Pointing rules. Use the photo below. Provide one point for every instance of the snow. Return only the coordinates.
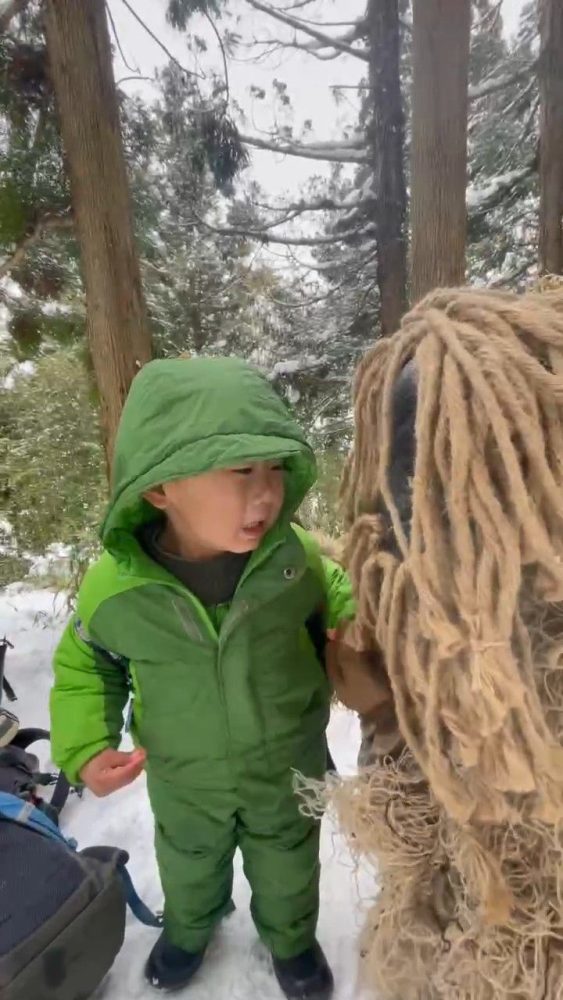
(22, 369)
(295, 365)
(366, 193)
(496, 83)
(237, 966)
(478, 197)
(287, 367)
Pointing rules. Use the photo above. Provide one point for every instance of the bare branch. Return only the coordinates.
(326, 41)
(333, 152)
(320, 205)
(278, 43)
(496, 83)
(347, 38)
(322, 267)
(359, 24)
(9, 10)
(223, 54)
(297, 5)
(299, 208)
(132, 69)
(489, 18)
(47, 223)
(136, 76)
(161, 45)
(265, 237)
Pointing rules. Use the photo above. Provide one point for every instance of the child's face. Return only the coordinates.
(226, 510)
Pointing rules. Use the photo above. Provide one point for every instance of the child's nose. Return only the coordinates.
(265, 488)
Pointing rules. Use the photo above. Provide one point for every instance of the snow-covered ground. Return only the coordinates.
(237, 967)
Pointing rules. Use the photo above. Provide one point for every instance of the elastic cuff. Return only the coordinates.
(285, 949)
(192, 939)
(72, 768)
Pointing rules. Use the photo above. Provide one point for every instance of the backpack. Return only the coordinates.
(62, 912)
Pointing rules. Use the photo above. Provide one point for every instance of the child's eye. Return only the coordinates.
(248, 470)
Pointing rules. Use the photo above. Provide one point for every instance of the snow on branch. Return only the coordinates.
(359, 24)
(347, 38)
(45, 224)
(482, 199)
(275, 44)
(350, 151)
(323, 40)
(296, 366)
(319, 205)
(296, 209)
(264, 236)
(501, 82)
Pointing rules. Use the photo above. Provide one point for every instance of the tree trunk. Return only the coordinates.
(551, 136)
(386, 151)
(82, 74)
(441, 35)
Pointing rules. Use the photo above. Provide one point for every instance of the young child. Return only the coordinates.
(199, 609)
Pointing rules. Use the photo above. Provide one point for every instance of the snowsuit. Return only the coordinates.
(227, 702)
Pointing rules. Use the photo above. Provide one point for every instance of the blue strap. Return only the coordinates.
(139, 909)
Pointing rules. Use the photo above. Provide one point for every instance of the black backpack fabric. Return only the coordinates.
(62, 915)
(62, 911)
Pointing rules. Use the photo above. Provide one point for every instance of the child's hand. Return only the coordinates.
(112, 769)
(357, 675)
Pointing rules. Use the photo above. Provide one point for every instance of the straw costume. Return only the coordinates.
(455, 549)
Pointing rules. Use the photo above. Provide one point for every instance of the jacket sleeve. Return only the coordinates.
(87, 703)
(340, 604)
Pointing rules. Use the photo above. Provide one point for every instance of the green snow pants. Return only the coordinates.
(197, 833)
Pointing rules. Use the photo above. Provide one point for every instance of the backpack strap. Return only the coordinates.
(16, 810)
(23, 740)
(27, 813)
(138, 908)
(5, 687)
(8, 690)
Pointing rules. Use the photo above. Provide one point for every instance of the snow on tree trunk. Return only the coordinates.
(385, 143)
(81, 69)
(551, 136)
(441, 33)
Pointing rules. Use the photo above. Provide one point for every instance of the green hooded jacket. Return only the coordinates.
(225, 711)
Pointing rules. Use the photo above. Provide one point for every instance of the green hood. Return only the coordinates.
(184, 416)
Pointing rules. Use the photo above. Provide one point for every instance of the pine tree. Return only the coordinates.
(80, 61)
(551, 136)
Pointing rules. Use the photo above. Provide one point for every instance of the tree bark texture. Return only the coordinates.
(385, 135)
(441, 37)
(551, 136)
(82, 74)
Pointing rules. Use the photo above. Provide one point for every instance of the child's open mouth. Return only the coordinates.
(255, 529)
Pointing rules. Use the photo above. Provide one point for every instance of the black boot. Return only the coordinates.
(305, 977)
(170, 968)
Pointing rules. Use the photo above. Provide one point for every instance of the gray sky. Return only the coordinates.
(309, 81)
